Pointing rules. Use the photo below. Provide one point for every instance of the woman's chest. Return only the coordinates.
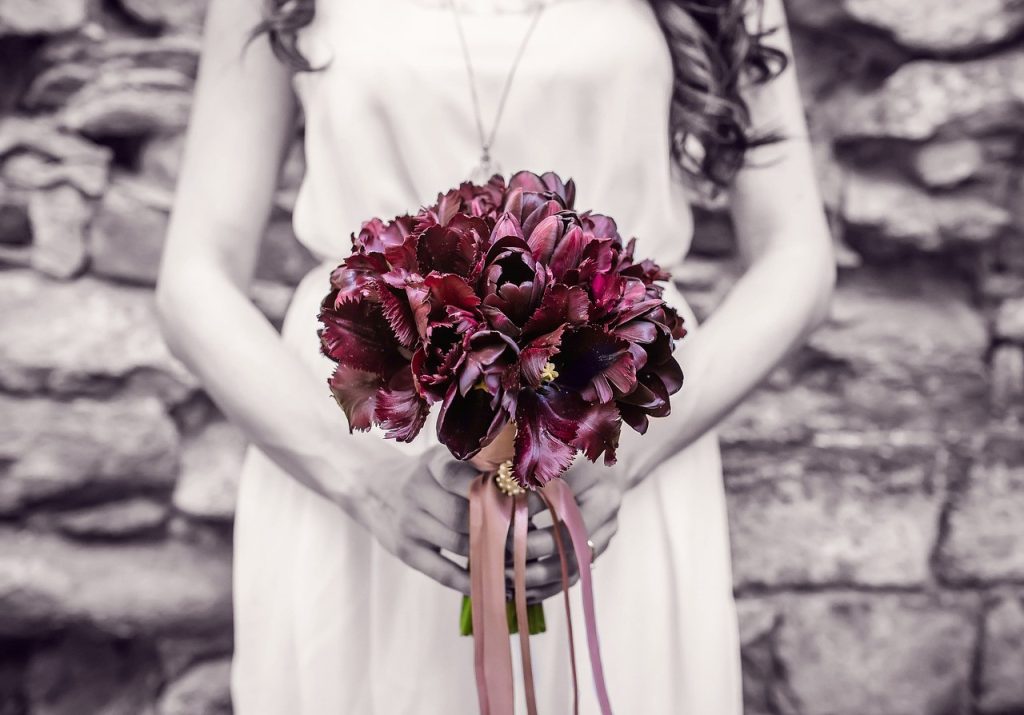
(411, 54)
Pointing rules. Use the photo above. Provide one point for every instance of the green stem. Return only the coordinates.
(534, 617)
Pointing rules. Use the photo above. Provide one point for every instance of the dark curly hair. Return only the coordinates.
(712, 49)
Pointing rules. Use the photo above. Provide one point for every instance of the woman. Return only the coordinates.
(347, 567)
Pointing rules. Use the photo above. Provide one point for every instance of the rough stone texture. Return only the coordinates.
(125, 590)
(850, 654)
(211, 463)
(888, 215)
(202, 689)
(108, 336)
(38, 155)
(114, 520)
(818, 527)
(1007, 376)
(942, 25)
(41, 17)
(985, 538)
(942, 165)
(875, 481)
(186, 14)
(1002, 659)
(80, 675)
(127, 234)
(59, 216)
(130, 102)
(83, 447)
(1010, 320)
(925, 97)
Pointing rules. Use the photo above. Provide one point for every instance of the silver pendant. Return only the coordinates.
(485, 169)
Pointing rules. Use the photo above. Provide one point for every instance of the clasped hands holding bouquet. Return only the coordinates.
(423, 507)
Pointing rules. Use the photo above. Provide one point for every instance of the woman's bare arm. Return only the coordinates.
(241, 126)
(783, 294)
(242, 122)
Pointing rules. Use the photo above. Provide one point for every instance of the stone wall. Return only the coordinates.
(876, 482)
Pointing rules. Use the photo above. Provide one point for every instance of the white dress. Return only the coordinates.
(328, 622)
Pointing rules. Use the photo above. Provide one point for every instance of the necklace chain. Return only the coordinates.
(487, 166)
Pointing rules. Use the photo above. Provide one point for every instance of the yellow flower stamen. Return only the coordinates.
(548, 372)
(506, 482)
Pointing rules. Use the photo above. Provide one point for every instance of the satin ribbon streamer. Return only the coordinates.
(491, 515)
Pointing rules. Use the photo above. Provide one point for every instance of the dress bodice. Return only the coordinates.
(390, 122)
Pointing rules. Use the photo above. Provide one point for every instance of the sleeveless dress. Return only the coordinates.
(327, 621)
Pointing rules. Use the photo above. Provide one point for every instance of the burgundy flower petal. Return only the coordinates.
(487, 354)
(671, 375)
(356, 334)
(647, 270)
(543, 238)
(467, 422)
(402, 257)
(595, 363)
(397, 311)
(560, 304)
(447, 249)
(637, 331)
(506, 225)
(513, 202)
(449, 289)
(497, 319)
(354, 278)
(634, 416)
(400, 411)
(569, 252)
(549, 184)
(597, 431)
(639, 355)
(433, 363)
(653, 393)
(545, 427)
(527, 181)
(355, 391)
(514, 283)
(538, 215)
(537, 352)
(600, 225)
(375, 236)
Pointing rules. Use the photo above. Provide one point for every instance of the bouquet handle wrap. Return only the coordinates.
(491, 514)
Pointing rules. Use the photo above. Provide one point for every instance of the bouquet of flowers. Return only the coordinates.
(528, 322)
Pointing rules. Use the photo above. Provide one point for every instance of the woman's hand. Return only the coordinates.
(417, 505)
(599, 490)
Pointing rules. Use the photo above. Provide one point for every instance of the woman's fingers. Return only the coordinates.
(427, 528)
(450, 510)
(603, 537)
(598, 506)
(451, 474)
(535, 504)
(433, 564)
(536, 595)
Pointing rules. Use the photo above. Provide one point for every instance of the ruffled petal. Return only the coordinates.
(355, 391)
(466, 423)
(597, 431)
(544, 432)
(537, 353)
(595, 363)
(399, 410)
(357, 334)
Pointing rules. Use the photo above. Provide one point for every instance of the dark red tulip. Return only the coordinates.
(503, 303)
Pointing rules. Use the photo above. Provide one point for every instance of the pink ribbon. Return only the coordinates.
(491, 513)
